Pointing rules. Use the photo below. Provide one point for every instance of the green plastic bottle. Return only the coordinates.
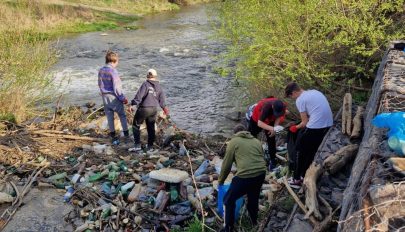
(123, 166)
(174, 194)
(112, 175)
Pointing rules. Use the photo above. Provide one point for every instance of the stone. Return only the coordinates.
(169, 175)
(336, 196)
(281, 215)
(299, 224)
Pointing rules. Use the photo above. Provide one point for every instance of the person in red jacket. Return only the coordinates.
(266, 114)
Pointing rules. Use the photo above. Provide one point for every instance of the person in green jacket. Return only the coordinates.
(247, 153)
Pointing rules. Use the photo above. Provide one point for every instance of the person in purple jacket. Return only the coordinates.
(148, 99)
(113, 98)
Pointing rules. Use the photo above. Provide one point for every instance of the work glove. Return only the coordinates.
(125, 101)
(133, 109)
(166, 111)
(293, 129)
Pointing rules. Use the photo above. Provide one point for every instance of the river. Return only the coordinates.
(179, 45)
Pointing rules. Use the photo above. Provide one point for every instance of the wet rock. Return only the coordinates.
(90, 104)
(41, 211)
(281, 215)
(299, 224)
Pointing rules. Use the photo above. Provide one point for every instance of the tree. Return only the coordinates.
(316, 42)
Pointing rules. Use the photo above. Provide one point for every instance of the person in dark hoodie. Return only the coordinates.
(149, 97)
(247, 153)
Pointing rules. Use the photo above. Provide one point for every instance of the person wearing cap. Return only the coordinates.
(266, 114)
(247, 153)
(147, 100)
(114, 99)
(316, 119)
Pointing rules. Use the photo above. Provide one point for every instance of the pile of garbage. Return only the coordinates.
(111, 188)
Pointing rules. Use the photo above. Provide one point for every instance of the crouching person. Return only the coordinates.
(247, 153)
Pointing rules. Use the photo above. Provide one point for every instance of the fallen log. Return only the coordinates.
(337, 160)
(332, 164)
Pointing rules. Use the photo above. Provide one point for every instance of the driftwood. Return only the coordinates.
(357, 125)
(328, 219)
(72, 137)
(298, 201)
(347, 114)
(332, 164)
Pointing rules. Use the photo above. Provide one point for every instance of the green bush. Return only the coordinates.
(324, 43)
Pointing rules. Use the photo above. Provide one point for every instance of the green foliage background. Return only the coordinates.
(326, 43)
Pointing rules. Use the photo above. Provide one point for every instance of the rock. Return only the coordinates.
(90, 104)
(337, 196)
(299, 224)
(169, 175)
(5, 198)
(281, 215)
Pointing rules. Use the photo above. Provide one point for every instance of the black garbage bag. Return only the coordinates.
(292, 153)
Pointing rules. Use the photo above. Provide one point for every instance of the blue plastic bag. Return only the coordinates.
(396, 134)
(222, 190)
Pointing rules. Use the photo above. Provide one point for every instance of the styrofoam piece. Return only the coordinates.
(169, 175)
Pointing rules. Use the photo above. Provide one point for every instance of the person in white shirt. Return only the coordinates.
(316, 119)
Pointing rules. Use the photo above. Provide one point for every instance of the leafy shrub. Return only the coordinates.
(325, 43)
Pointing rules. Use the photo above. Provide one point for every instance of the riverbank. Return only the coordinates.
(26, 34)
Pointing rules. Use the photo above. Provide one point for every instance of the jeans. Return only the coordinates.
(113, 104)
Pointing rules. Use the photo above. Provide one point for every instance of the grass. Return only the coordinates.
(27, 30)
(140, 7)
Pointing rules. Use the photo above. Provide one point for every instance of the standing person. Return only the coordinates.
(247, 153)
(149, 97)
(267, 114)
(316, 119)
(114, 99)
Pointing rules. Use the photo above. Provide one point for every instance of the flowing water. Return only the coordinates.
(178, 45)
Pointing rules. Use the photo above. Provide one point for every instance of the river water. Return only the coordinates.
(178, 45)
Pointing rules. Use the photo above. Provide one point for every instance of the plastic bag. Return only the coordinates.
(396, 134)
(222, 189)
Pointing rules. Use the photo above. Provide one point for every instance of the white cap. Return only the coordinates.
(152, 72)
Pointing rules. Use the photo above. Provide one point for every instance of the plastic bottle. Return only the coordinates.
(98, 176)
(202, 168)
(75, 178)
(123, 166)
(112, 175)
(68, 194)
(397, 143)
(126, 187)
(174, 194)
(57, 176)
(203, 178)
